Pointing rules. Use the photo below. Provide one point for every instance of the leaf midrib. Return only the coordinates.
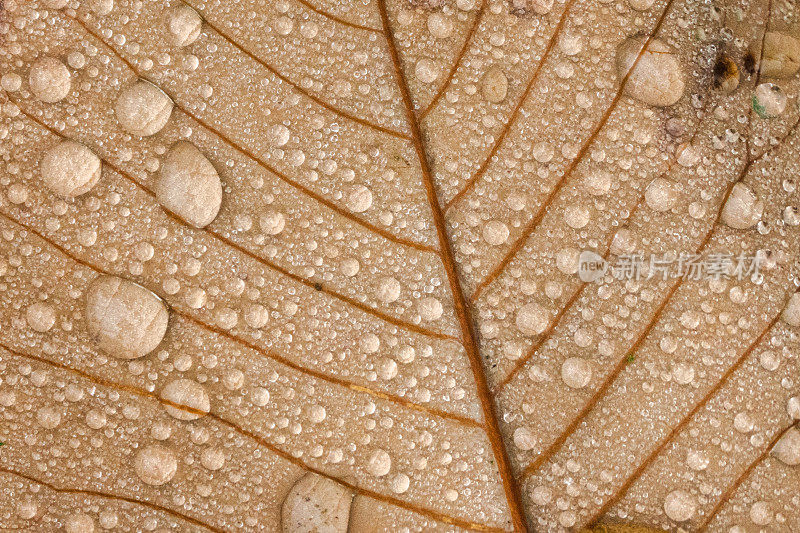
(469, 338)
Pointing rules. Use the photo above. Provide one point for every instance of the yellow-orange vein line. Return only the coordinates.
(469, 338)
(534, 222)
(726, 496)
(619, 493)
(456, 63)
(261, 260)
(110, 496)
(515, 112)
(256, 438)
(270, 355)
(590, 405)
(336, 18)
(316, 99)
(568, 305)
(260, 161)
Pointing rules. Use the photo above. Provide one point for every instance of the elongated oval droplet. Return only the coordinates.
(143, 109)
(189, 185)
(127, 320)
(316, 503)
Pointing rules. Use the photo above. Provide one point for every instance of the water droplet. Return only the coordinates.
(155, 464)
(49, 79)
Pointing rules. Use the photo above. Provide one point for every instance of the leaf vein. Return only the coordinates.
(515, 112)
(730, 491)
(110, 496)
(614, 498)
(469, 339)
(336, 18)
(266, 353)
(261, 260)
(519, 243)
(316, 99)
(131, 389)
(467, 41)
(252, 156)
(623, 362)
(545, 336)
(562, 438)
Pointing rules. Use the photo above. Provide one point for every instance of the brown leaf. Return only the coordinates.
(383, 322)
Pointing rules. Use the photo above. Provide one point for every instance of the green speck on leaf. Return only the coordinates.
(759, 108)
(631, 358)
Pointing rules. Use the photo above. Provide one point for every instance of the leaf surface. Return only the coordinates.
(383, 327)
